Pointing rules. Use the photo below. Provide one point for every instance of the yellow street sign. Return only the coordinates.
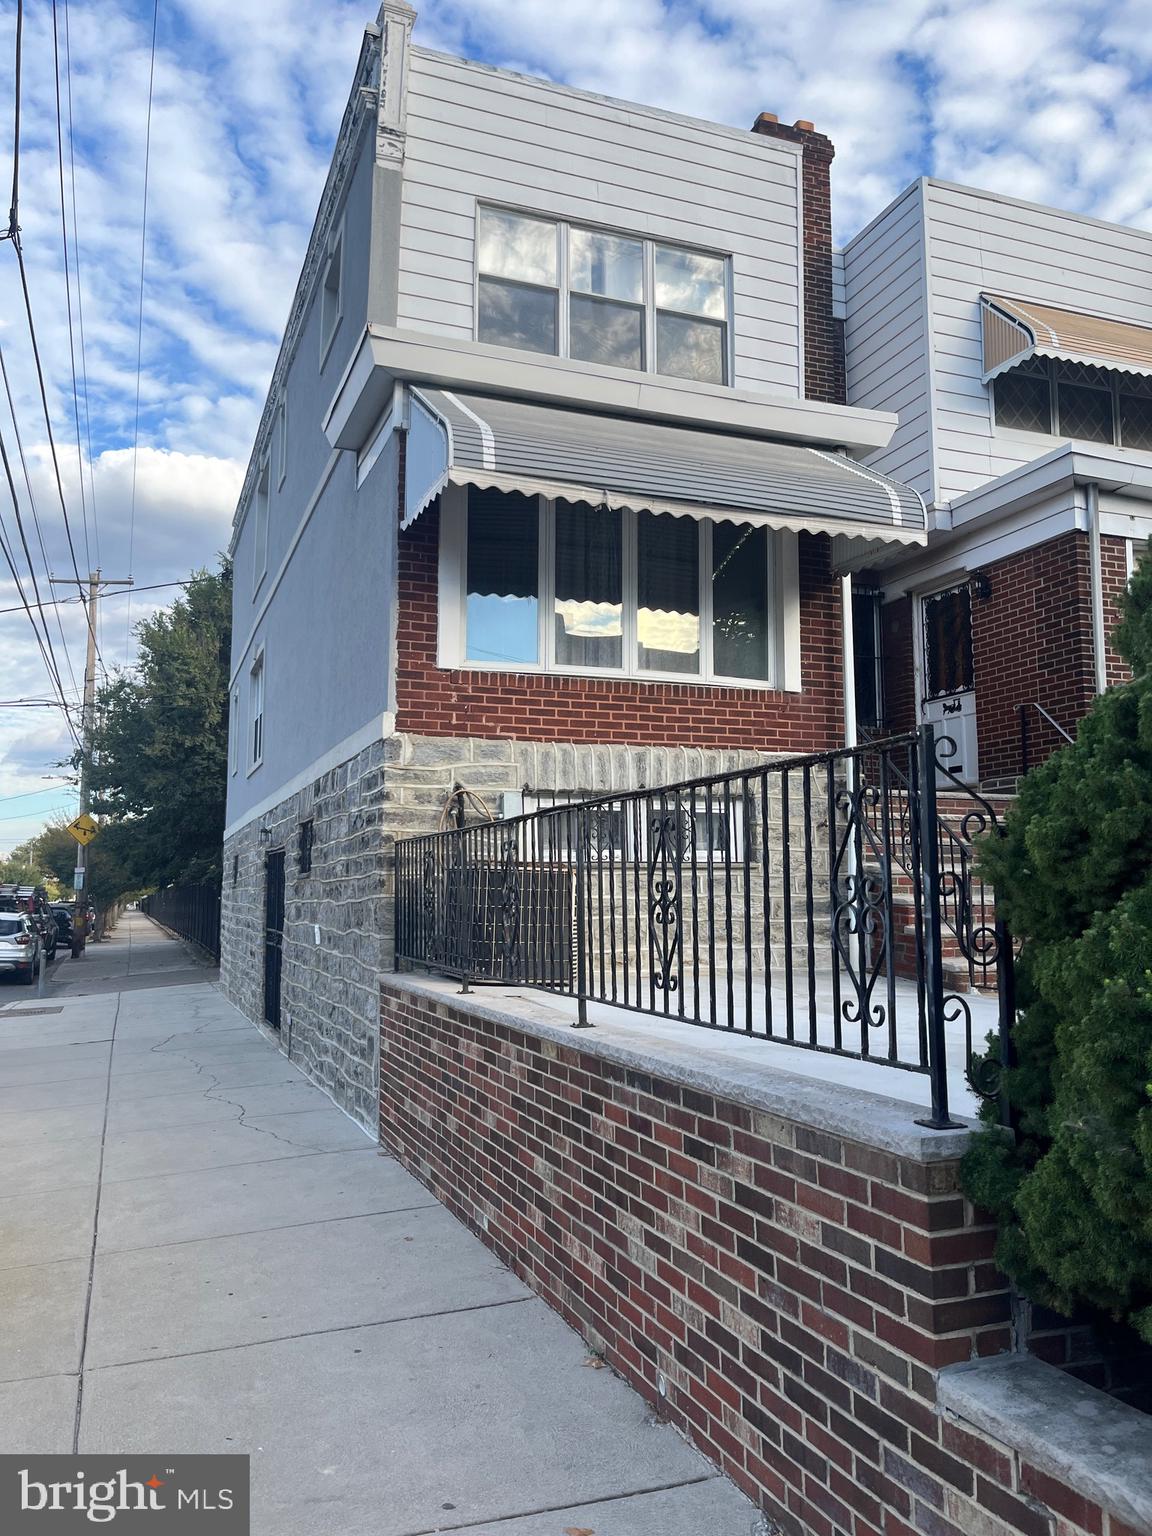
(83, 829)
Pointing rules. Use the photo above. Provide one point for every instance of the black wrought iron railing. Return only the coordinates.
(819, 902)
(192, 911)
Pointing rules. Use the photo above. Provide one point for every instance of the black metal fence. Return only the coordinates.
(192, 911)
(823, 902)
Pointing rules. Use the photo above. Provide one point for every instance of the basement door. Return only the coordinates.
(947, 677)
(273, 934)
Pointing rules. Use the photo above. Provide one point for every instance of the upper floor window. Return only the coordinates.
(331, 293)
(260, 528)
(571, 587)
(599, 297)
(281, 441)
(256, 711)
(1075, 400)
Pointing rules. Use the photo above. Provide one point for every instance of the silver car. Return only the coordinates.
(19, 945)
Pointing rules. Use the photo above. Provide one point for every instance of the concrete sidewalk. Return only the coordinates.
(199, 1252)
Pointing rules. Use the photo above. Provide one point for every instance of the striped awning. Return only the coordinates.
(622, 462)
(1015, 329)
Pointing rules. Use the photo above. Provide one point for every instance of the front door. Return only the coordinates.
(947, 676)
(273, 934)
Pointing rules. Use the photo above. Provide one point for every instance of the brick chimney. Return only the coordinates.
(823, 334)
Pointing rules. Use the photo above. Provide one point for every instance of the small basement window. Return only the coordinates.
(304, 847)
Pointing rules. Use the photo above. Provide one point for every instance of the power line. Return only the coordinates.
(79, 283)
(47, 413)
(68, 281)
(64, 602)
(140, 311)
(49, 789)
(35, 519)
(14, 207)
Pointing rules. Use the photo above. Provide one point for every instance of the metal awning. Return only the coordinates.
(623, 462)
(1015, 329)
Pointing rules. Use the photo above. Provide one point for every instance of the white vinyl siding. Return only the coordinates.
(477, 134)
(886, 335)
(982, 243)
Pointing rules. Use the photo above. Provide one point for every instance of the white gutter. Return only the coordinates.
(848, 661)
(1096, 585)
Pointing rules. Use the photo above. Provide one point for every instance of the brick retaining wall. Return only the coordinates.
(786, 1295)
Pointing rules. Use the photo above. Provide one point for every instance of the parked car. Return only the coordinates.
(20, 945)
(65, 927)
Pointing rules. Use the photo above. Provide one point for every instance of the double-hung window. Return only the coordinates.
(260, 528)
(256, 711)
(535, 584)
(618, 300)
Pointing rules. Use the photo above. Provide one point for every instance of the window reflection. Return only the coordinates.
(603, 332)
(609, 265)
(690, 282)
(515, 315)
(589, 586)
(740, 635)
(517, 246)
(503, 577)
(668, 593)
(690, 349)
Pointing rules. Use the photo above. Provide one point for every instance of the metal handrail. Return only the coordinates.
(767, 901)
(1022, 710)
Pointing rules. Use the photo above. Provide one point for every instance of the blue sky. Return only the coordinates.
(1046, 99)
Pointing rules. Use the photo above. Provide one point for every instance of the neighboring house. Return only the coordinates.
(555, 491)
(1015, 342)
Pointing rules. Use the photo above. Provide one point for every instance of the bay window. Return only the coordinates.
(619, 300)
(532, 584)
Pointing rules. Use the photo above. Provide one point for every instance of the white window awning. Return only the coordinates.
(1015, 330)
(622, 462)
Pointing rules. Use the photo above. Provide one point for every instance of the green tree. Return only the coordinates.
(158, 768)
(1073, 1195)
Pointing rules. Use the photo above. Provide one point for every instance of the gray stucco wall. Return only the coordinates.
(325, 622)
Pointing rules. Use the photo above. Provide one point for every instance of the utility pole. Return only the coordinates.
(88, 715)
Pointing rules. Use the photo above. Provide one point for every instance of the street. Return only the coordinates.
(200, 1253)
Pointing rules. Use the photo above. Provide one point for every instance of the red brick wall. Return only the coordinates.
(784, 1295)
(432, 701)
(1114, 573)
(1033, 643)
(823, 335)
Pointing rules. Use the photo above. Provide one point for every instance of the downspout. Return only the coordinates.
(848, 661)
(1096, 587)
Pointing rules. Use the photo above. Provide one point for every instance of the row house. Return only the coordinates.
(588, 465)
(1015, 344)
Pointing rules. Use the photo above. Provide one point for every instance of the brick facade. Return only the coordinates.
(824, 377)
(433, 701)
(785, 1296)
(1032, 643)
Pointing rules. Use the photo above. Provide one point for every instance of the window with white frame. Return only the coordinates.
(534, 584)
(256, 711)
(234, 732)
(281, 441)
(331, 293)
(619, 300)
(260, 528)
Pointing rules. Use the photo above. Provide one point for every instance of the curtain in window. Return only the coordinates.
(668, 592)
(589, 590)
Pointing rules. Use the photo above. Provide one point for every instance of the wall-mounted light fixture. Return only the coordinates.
(981, 586)
(265, 836)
